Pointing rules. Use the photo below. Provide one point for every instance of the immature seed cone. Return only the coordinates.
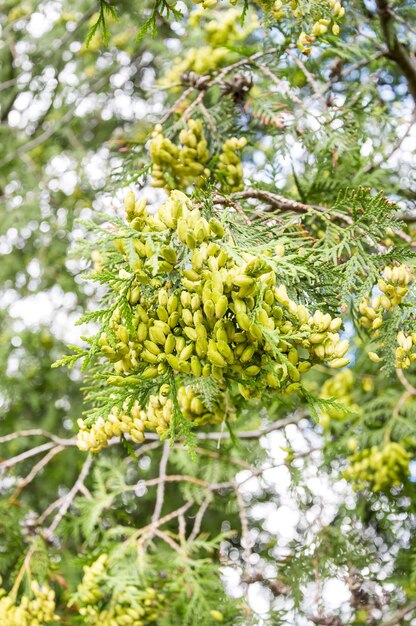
(102, 605)
(379, 468)
(36, 609)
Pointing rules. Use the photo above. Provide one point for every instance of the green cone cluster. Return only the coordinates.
(200, 311)
(393, 287)
(220, 31)
(99, 606)
(194, 409)
(405, 352)
(179, 166)
(229, 169)
(330, 12)
(379, 467)
(322, 12)
(156, 418)
(30, 611)
(202, 307)
(339, 387)
(117, 423)
(89, 591)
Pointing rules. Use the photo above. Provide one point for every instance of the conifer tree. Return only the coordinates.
(222, 193)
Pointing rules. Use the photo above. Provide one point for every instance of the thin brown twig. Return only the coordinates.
(267, 72)
(49, 509)
(171, 478)
(175, 478)
(309, 77)
(36, 469)
(245, 529)
(221, 457)
(21, 572)
(34, 432)
(402, 400)
(174, 106)
(199, 517)
(401, 20)
(409, 393)
(354, 67)
(294, 418)
(14, 460)
(399, 615)
(396, 51)
(146, 447)
(274, 200)
(167, 539)
(406, 383)
(219, 77)
(182, 528)
(153, 439)
(241, 62)
(281, 203)
(161, 486)
(230, 202)
(208, 117)
(162, 520)
(68, 499)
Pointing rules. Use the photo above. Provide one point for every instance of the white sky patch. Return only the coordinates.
(48, 308)
(38, 25)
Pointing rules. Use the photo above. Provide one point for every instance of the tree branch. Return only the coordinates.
(161, 486)
(396, 51)
(37, 468)
(68, 499)
(280, 203)
(199, 517)
(245, 529)
(399, 615)
(14, 460)
(163, 520)
(37, 432)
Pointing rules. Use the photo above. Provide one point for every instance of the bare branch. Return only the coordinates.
(49, 509)
(221, 75)
(274, 200)
(280, 203)
(406, 384)
(20, 574)
(68, 499)
(309, 77)
(167, 539)
(182, 528)
(280, 83)
(294, 418)
(161, 486)
(396, 51)
(399, 615)
(37, 468)
(34, 432)
(245, 530)
(199, 517)
(142, 532)
(174, 478)
(221, 457)
(14, 460)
